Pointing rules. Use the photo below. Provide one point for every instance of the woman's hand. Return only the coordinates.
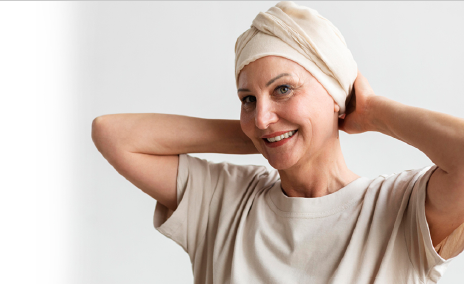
(356, 119)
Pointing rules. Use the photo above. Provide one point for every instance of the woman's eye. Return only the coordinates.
(283, 89)
(249, 99)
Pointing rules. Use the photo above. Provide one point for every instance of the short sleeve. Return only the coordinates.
(424, 257)
(201, 187)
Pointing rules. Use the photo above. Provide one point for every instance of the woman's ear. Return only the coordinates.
(337, 109)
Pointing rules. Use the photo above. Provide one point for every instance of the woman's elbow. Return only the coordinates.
(102, 136)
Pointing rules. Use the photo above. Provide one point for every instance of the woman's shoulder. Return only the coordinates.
(399, 186)
(406, 175)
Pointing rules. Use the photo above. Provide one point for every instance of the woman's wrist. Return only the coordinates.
(376, 114)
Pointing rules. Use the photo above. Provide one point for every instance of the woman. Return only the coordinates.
(312, 220)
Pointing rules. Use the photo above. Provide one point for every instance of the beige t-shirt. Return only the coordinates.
(238, 226)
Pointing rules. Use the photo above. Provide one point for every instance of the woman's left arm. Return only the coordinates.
(440, 136)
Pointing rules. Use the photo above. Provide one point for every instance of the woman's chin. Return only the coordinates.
(281, 163)
(281, 160)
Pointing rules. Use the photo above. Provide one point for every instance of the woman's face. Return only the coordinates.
(279, 96)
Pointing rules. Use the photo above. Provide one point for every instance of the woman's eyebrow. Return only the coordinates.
(279, 76)
(268, 83)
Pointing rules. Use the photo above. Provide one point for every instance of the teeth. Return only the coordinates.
(283, 136)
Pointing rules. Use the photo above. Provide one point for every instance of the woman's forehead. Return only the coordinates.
(269, 67)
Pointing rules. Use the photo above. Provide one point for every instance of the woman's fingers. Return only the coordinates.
(362, 84)
(355, 120)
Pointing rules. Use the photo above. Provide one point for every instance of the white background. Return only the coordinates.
(68, 217)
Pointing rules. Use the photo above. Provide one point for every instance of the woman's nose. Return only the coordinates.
(265, 114)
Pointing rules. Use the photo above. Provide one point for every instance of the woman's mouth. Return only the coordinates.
(273, 141)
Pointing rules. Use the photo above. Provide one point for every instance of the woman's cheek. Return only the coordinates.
(298, 110)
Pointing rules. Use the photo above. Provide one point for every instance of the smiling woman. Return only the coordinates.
(293, 101)
(308, 218)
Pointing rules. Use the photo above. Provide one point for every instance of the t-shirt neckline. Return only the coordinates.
(318, 206)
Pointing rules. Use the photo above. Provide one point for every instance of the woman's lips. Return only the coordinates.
(275, 134)
(282, 141)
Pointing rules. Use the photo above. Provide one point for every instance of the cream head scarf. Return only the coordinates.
(302, 35)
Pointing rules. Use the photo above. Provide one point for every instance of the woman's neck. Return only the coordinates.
(318, 175)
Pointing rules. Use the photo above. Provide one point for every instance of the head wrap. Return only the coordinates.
(302, 35)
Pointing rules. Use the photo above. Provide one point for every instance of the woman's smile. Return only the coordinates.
(278, 138)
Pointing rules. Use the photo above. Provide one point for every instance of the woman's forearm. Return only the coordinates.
(440, 136)
(165, 134)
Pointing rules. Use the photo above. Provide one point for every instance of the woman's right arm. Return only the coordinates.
(144, 147)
